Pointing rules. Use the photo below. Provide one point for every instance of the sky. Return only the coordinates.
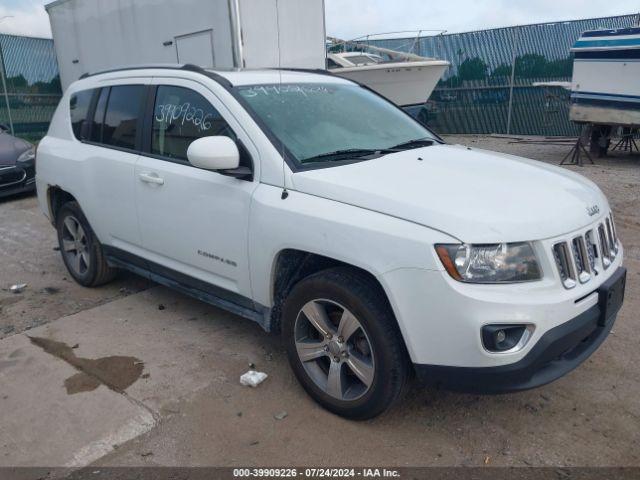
(348, 19)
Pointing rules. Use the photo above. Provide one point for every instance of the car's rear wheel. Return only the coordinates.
(81, 251)
(343, 343)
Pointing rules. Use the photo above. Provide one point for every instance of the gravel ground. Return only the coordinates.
(591, 417)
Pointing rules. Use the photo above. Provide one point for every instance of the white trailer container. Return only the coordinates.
(93, 35)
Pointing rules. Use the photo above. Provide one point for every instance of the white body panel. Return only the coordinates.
(383, 216)
(454, 310)
(200, 210)
(404, 83)
(429, 198)
(97, 35)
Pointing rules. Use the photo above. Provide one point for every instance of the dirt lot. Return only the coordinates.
(29, 254)
(198, 414)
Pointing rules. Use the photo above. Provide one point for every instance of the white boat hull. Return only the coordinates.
(404, 83)
(606, 88)
(605, 115)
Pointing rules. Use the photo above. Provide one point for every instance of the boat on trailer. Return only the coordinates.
(404, 78)
(605, 89)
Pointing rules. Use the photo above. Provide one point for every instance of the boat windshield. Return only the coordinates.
(362, 59)
(330, 122)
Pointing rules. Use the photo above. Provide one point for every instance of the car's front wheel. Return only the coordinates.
(343, 343)
(81, 251)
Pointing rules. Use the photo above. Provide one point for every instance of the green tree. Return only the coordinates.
(502, 70)
(560, 68)
(53, 86)
(472, 69)
(452, 82)
(17, 83)
(531, 65)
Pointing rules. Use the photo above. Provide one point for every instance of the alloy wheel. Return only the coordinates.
(75, 245)
(334, 349)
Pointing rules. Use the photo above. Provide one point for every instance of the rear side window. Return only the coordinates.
(120, 126)
(79, 109)
(180, 117)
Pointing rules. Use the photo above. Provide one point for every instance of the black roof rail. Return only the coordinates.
(187, 67)
(197, 69)
(167, 66)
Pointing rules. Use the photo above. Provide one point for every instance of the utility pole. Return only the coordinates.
(513, 76)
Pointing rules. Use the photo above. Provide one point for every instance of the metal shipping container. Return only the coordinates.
(93, 35)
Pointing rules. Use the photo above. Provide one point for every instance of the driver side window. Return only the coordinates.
(181, 116)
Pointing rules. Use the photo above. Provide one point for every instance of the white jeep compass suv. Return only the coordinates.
(313, 206)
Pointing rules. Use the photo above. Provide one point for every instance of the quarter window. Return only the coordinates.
(79, 108)
(120, 125)
(180, 117)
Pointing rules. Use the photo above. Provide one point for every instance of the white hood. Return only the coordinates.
(474, 195)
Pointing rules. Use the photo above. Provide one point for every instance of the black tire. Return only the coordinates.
(364, 298)
(96, 271)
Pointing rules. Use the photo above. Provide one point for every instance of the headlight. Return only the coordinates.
(27, 155)
(495, 263)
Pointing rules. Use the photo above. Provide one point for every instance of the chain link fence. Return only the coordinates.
(489, 86)
(30, 85)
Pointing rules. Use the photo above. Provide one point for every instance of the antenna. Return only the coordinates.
(285, 193)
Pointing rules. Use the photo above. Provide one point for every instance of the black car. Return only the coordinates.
(17, 164)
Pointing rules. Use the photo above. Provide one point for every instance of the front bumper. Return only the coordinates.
(17, 179)
(560, 350)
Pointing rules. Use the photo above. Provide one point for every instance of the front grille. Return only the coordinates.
(581, 258)
(11, 176)
(565, 264)
(591, 249)
(613, 229)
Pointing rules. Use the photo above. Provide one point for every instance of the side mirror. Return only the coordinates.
(214, 153)
(4, 128)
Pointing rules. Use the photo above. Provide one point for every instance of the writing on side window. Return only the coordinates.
(183, 114)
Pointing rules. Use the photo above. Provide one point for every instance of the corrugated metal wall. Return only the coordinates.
(477, 94)
(29, 85)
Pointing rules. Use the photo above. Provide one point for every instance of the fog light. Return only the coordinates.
(501, 338)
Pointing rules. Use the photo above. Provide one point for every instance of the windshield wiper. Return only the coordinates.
(349, 153)
(363, 152)
(417, 143)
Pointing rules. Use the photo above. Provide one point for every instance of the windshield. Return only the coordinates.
(361, 59)
(332, 122)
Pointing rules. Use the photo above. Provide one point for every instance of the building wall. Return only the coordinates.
(477, 94)
(29, 85)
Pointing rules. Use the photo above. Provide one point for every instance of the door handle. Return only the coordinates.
(151, 178)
